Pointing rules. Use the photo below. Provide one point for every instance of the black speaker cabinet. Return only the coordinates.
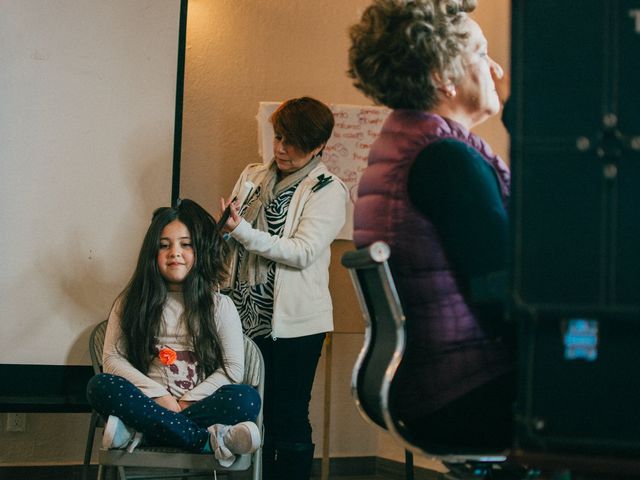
(575, 207)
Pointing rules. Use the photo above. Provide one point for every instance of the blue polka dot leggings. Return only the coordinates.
(113, 395)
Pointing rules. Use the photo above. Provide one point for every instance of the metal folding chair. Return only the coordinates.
(173, 462)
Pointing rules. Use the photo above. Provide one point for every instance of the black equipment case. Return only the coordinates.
(575, 211)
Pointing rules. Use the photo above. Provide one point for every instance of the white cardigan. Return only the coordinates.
(301, 304)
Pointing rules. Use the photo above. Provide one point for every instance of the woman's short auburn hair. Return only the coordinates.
(304, 123)
(399, 45)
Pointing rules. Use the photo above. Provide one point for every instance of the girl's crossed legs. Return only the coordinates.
(229, 405)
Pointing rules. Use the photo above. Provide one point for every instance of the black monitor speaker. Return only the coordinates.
(575, 211)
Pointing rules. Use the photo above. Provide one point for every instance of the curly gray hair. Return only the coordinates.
(400, 47)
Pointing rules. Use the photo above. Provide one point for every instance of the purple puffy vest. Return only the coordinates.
(448, 351)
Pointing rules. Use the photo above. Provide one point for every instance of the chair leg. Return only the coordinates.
(121, 474)
(88, 450)
(257, 465)
(90, 437)
(408, 465)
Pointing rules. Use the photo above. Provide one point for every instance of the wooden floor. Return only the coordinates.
(352, 477)
(341, 469)
(75, 473)
(13, 474)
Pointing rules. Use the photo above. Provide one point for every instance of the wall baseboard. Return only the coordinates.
(383, 468)
(52, 472)
(394, 470)
(346, 466)
(45, 388)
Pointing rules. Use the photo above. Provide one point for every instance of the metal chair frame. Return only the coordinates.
(385, 321)
(96, 343)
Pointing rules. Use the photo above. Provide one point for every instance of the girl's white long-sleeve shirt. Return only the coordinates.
(179, 378)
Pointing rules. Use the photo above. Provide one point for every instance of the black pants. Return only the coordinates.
(230, 404)
(290, 367)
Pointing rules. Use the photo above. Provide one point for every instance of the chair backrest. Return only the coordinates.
(384, 331)
(383, 349)
(96, 344)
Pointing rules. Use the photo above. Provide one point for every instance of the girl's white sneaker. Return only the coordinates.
(227, 441)
(116, 434)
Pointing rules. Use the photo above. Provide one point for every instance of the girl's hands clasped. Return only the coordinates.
(169, 402)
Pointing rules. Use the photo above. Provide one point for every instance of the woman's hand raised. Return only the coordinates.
(233, 218)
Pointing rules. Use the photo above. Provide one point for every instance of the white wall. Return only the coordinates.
(88, 102)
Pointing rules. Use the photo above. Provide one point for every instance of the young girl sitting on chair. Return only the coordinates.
(173, 351)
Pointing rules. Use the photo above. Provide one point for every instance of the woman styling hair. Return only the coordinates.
(280, 274)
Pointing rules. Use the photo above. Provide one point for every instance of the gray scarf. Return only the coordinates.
(254, 268)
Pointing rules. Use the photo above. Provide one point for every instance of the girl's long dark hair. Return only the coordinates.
(143, 298)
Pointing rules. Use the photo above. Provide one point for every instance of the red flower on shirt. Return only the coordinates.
(167, 355)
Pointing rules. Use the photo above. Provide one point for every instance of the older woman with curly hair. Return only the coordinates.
(437, 194)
